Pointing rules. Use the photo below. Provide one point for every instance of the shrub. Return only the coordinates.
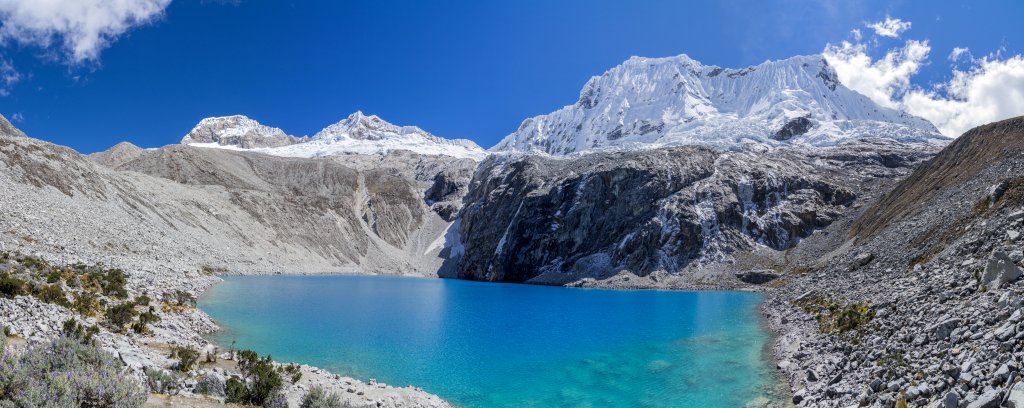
(113, 283)
(159, 380)
(11, 286)
(145, 318)
(187, 357)
(118, 316)
(278, 400)
(52, 294)
(67, 373)
(87, 304)
(183, 299)
(318, 398)
(264, 381)
(293, 371)
(142, 300)
(235, 391)
(84, 334)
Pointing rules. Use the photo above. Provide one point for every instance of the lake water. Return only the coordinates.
(504, 345)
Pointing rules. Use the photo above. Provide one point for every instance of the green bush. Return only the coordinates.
(159, 380)
(293, 371)
(11, 286)
(187, 357)
(52, 294)
(235, 391)
(119, 316)
(318, 398)
(87, 304)
(84, 334)
(67, 373)
(145, 318)
(263, 380)
(183, 298)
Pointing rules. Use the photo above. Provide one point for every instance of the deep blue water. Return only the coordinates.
(504, 345)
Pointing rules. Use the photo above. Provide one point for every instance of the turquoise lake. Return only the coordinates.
(505, 345)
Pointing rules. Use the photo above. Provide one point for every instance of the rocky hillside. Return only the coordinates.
(183, 208)
(664, 212)
(651, 102)
(920, 299)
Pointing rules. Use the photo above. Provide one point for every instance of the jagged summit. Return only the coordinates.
(358, 133)
(8, 129)
(677, 100)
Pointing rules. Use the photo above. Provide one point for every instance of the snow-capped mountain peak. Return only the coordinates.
(677, 100)
(238, 131)
(358, 133)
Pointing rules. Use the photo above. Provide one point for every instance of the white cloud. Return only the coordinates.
(8, 77)
(881, 80)
(18, 117)
(959, 52)
(890, 27)
(991, 89)
(856, 34)
(79, 29)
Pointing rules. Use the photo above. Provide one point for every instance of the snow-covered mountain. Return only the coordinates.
(238, 131)
(358, 133)
(648, 102)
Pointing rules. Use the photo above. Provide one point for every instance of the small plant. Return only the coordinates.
(264, 381)
(235, 391)
(145, 318)
(183, 299)
(52, 294)
(11, 286)
(119, 316)
(159, 380)
(87, 304)
(142, 300)
(84, 334)
(293, 371)
(187, 357)
(318, 398)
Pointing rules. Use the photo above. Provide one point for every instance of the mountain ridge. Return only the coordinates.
(652, 102)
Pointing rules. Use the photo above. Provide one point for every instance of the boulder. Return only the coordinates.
(989, 399)
(999, 270)
(757, 277)
(861, 259)
(1016, 397)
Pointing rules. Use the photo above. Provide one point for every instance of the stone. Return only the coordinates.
(861, 259)
(999, 270)
(951, 400)
(1013, 235)
(990, 399)
(1016, 397)
(1005, 332)
(757, 277)
(943, 329)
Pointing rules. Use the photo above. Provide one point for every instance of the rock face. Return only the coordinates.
(651, 102)
(238, 131)
(553, 221)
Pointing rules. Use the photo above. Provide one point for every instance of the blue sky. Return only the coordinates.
(469, 69)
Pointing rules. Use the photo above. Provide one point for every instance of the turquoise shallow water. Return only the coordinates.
(503, 345)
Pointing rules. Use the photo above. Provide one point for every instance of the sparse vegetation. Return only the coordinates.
(159, 380)
(318, 398)
(67, 373)
(119, 316)
(262, 381)
(52, 294)
(835, 318)
(183, 299)
(187, 358)
(293, 371)
(83, 333)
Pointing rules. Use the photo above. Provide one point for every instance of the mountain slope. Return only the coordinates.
(247, 212)
(119, 154)
(356, 134)
(678, 101)
(935, 265)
